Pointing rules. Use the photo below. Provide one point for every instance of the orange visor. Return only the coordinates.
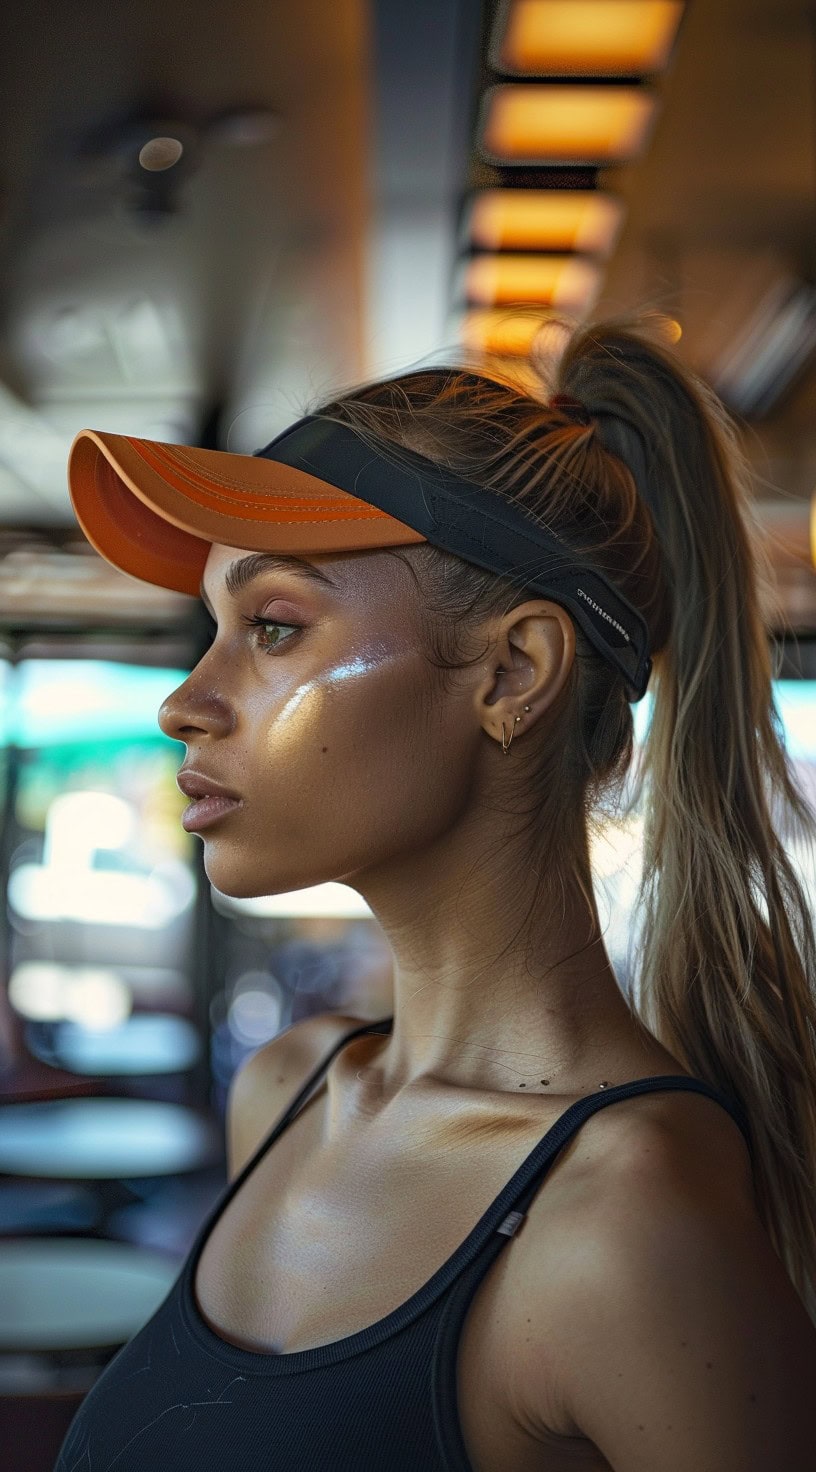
(153, 509)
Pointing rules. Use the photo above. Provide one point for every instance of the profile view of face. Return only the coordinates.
(316, 705)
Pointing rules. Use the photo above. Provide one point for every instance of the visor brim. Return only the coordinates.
(154, 509)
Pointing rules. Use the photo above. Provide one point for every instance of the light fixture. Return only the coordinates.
(502, 333)
(545, 219)
(159, 144)
(585, 37)
(524, 123)
(67, 885)
(96, 997)
(768, 354)
(554, 280)
(160, 153)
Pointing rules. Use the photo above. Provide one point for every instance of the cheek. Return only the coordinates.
(342, 733)
(353, 765)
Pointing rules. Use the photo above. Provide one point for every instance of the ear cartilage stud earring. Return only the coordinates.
(528, 707)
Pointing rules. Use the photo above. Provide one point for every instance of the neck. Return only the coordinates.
(476, 1007)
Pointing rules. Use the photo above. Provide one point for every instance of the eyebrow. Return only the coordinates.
(242, 572)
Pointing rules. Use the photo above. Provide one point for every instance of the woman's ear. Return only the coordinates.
(535, 650)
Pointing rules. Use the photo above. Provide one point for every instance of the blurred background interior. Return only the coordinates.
(211, 216)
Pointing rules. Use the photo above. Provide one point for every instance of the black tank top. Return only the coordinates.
(380, 1400)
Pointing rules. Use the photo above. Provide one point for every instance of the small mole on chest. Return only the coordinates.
(604, 1085)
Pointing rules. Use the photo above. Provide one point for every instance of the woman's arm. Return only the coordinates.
(681, 1344)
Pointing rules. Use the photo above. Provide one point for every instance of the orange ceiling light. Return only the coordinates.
(554, 123)
(586, 37)
(503, 333)
(545, 219)
(556, 281)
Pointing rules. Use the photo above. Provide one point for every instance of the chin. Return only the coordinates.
(235, 885)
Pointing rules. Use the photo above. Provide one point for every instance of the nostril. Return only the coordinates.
(195, 708)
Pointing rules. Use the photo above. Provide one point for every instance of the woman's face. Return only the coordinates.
(323, 715)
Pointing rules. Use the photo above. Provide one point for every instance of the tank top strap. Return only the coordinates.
(384, 1025)
(573, 1117)
(222, 1202)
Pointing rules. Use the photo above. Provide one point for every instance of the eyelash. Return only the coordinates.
(259, 623)
(267, 623)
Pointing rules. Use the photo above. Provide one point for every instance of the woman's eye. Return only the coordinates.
(263, 640)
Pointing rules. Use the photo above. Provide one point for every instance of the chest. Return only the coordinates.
(319, 1243)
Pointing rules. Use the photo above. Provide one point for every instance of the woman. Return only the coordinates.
(434, 603)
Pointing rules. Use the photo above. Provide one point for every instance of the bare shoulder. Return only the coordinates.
(264, 1085)
(678, 1128)
(680, 1340)
(302, 1044)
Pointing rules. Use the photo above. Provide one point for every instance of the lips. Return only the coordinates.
(196, 785)
(211, 801)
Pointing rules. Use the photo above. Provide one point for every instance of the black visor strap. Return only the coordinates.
(477, 524)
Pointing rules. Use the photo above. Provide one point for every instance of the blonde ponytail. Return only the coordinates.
(728, 957)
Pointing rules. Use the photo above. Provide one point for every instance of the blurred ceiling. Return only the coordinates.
(721, 208)
(302, 242)
(723, 202)
(308, 236)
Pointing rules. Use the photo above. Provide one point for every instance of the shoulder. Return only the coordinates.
(265, 1083)
(680, 1340)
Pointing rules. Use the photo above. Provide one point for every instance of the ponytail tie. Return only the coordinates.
(572, 406)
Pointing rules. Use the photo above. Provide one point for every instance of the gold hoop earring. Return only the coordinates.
(505, 742)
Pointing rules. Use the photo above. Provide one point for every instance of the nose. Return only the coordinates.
(194, 710)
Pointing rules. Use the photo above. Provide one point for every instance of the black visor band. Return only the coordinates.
(476, 524)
